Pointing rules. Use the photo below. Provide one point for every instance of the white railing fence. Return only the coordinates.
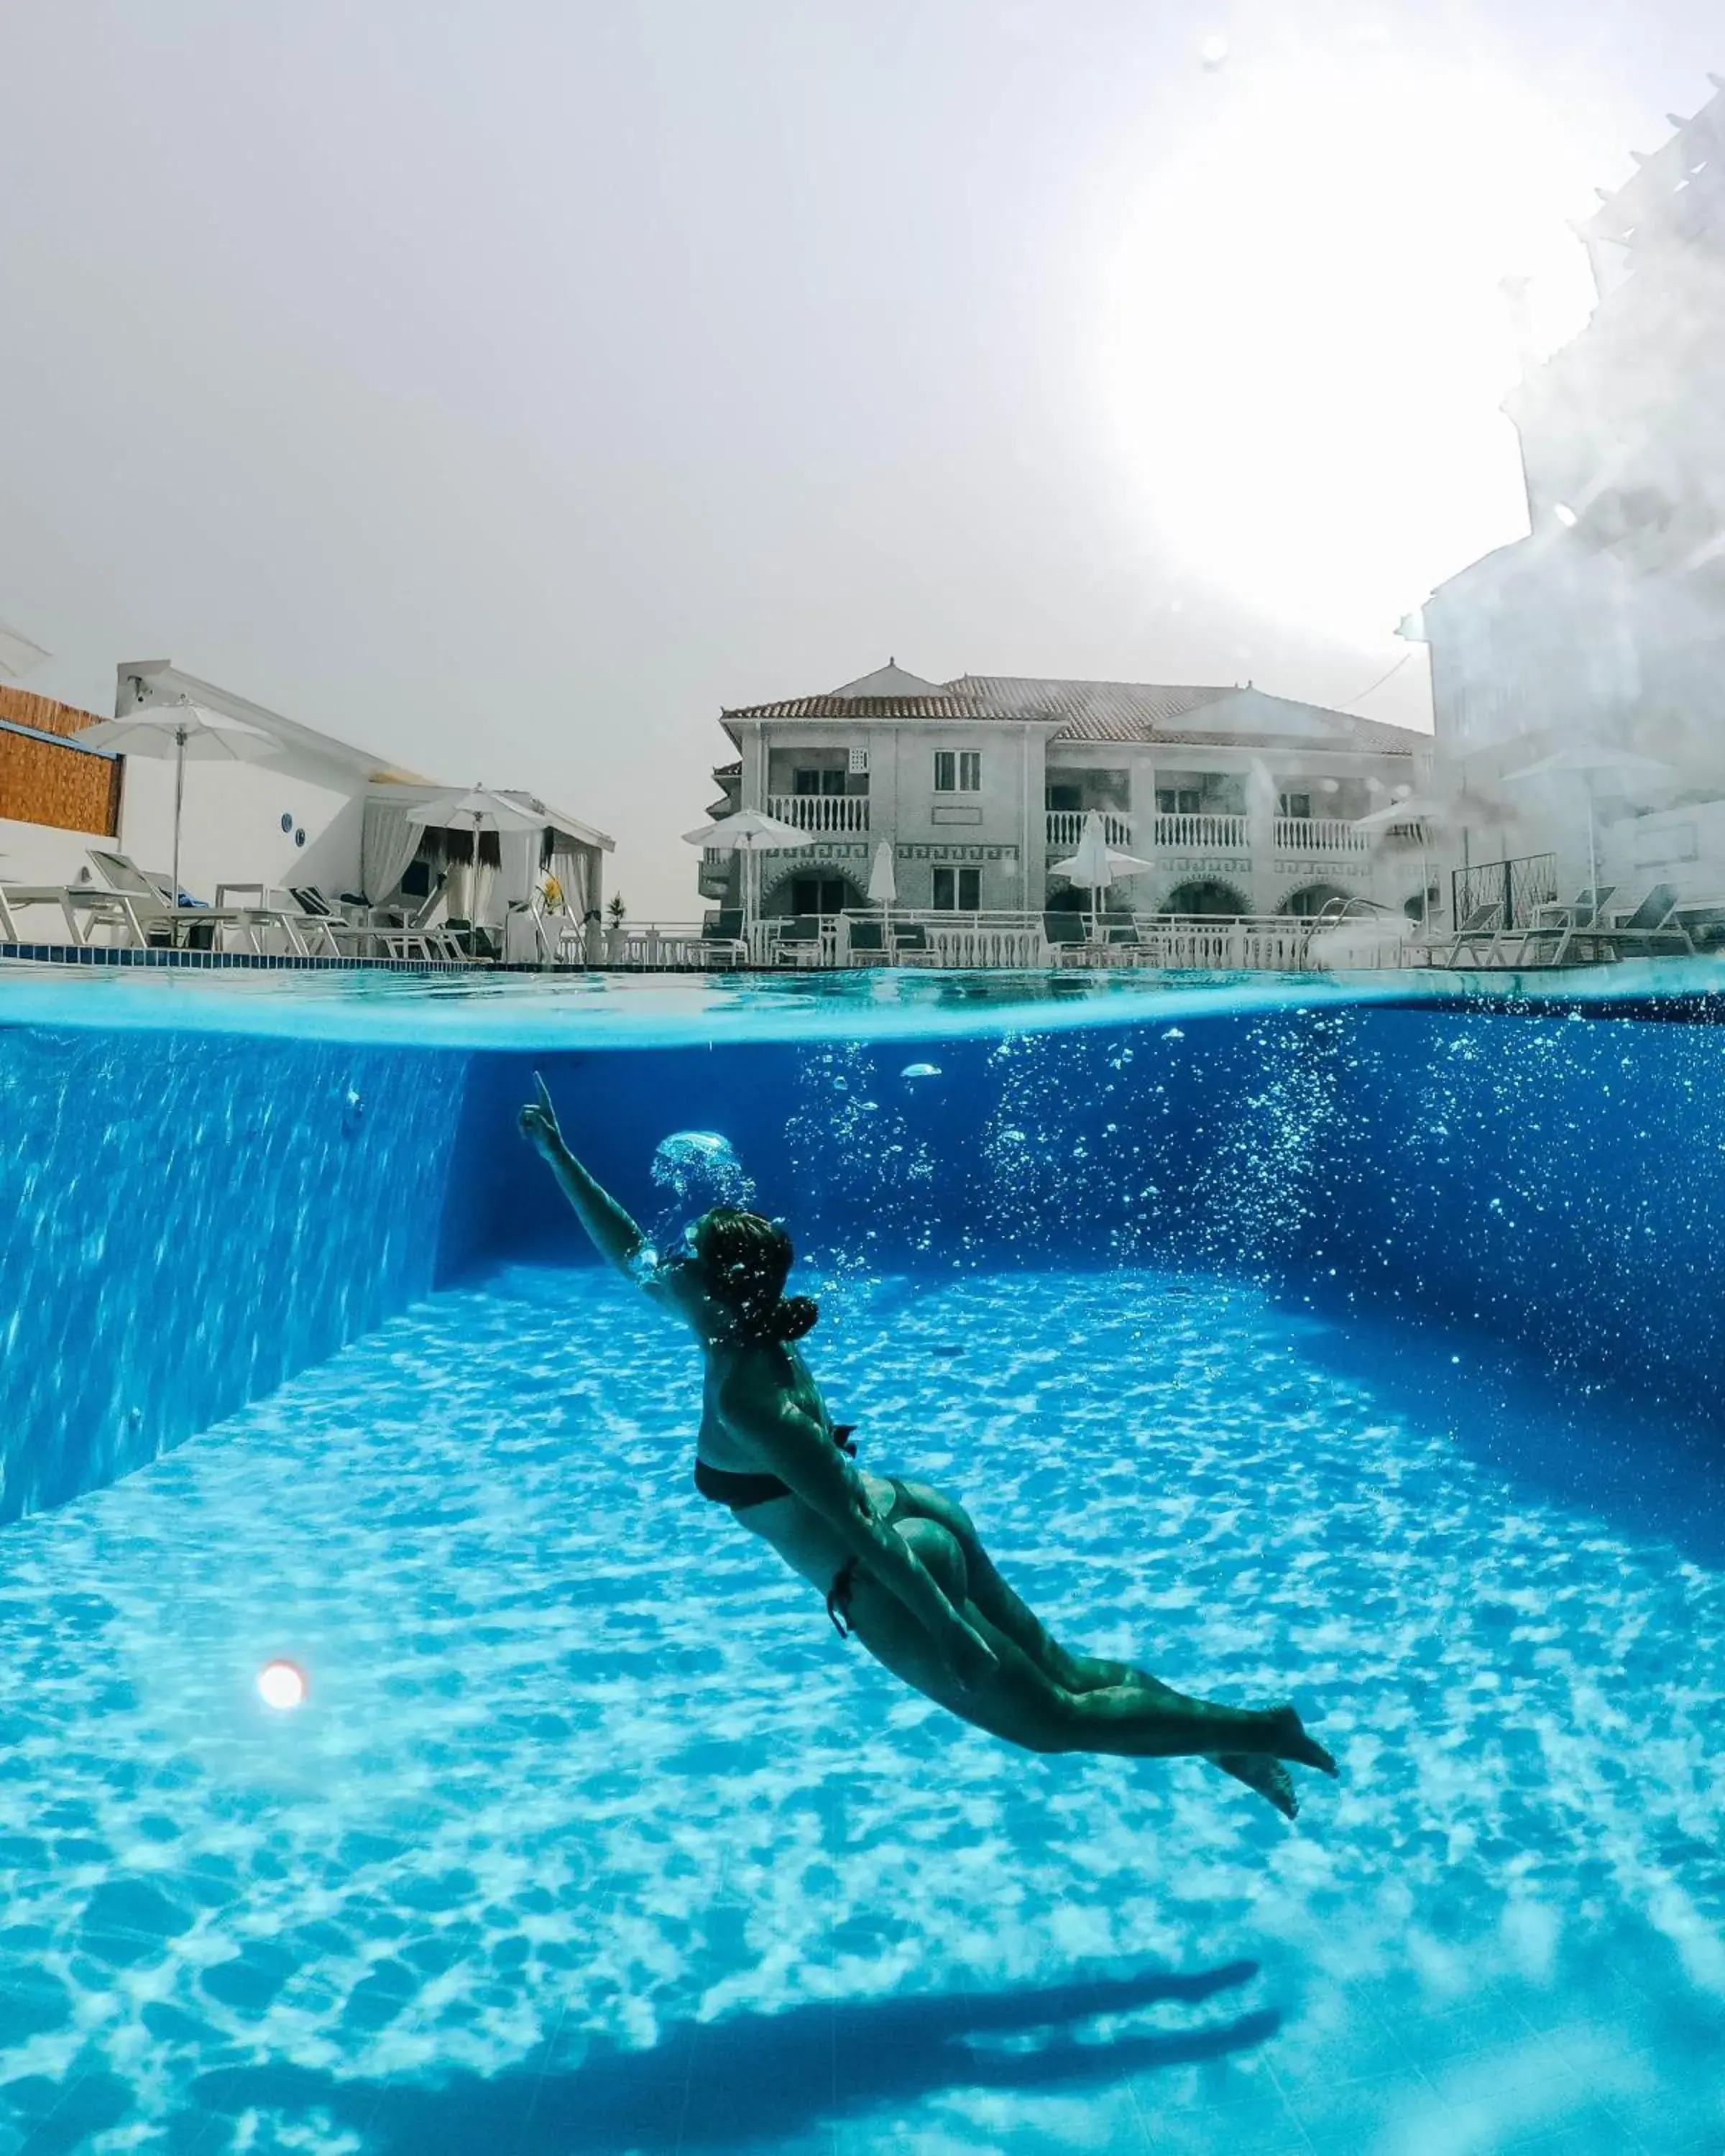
(1065, 827)
(907, 937)
(1194, 834)
(1318, 835)
(820, 812)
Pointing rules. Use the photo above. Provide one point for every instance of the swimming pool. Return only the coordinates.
(1290, 1336)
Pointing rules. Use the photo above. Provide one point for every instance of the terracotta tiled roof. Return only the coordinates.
(1100, 711)
(1094, 711)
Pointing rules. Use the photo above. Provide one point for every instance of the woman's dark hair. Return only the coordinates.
(748, 1260)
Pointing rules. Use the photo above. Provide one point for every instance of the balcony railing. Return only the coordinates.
(1065, 828)
(1318, 835)
(820, 812)
(1193, 833)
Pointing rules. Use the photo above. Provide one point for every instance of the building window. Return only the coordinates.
(1293, 804)
(818, 894)
(957, 891)
(1176, 800)
(827, 784)
(957, 771)
(859, 760)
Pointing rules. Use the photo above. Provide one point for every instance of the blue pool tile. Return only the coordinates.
(1589, 2131)
(1257, 2126)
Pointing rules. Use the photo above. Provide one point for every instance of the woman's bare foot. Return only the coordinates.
(1268, 1777)
(1290, 1741)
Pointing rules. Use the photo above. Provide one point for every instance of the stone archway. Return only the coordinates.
(1311, 898)
(831, 884)
(1208, 897)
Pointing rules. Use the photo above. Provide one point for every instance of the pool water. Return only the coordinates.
(1356, 1342)
(592, 1836)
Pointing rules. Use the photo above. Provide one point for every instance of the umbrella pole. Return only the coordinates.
(1593, 851)
(179, 800)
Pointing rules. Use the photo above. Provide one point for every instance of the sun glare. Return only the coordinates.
(1306, 336)
(281, 1685)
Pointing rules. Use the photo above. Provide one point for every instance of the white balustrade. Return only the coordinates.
(975, 940)
(1194, 834)
(820, 812)
(1319, 834)
(1065, 828)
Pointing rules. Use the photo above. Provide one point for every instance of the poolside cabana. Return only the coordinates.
(496, 880)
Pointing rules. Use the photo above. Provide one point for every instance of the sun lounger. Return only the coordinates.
(800, 942)
(148, 899)
(1653, 930)
(82, 908)
(1550, 936)
(911, 946)
(865, 942)
(1477, 931)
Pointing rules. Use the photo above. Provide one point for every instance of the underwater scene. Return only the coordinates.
(402, 1754)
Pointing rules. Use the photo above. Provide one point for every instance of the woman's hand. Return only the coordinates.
(538, 1124)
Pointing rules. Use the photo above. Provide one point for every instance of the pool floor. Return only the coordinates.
(593, 1836)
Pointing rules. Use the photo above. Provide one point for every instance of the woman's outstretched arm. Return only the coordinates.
(615, 1236)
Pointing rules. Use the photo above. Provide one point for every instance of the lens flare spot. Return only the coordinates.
(282, 1685)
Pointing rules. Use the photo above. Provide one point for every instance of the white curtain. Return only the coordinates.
(571, 867)
(519, 853)
(388, 840)
(472, 889)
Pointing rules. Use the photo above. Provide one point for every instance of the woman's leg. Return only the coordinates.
(1007, 1613)
(1025, 1705)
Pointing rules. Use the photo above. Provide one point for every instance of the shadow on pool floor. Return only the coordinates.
(757, 2077)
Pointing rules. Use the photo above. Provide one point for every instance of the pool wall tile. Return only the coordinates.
(193, 1219)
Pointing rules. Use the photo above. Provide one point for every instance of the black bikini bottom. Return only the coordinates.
(740, 1491)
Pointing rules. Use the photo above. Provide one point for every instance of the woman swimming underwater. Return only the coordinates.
(901, 1565)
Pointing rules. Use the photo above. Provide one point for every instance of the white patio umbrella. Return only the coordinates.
(1586, 760)
(476, 809)
(750, 832)
(1096, 864)
(188, 732)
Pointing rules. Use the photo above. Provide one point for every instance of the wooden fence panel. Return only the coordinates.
(40, 782)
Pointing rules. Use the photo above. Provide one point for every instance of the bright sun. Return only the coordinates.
(1306, 339)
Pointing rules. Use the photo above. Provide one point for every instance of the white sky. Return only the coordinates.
(509, 388)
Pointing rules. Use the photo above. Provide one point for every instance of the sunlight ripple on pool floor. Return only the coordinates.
(590, 1834)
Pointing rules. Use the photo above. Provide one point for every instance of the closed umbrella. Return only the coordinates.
(883, 881)
(1095, 864)
(1586, 760)
(750, 832)
(188, 732)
